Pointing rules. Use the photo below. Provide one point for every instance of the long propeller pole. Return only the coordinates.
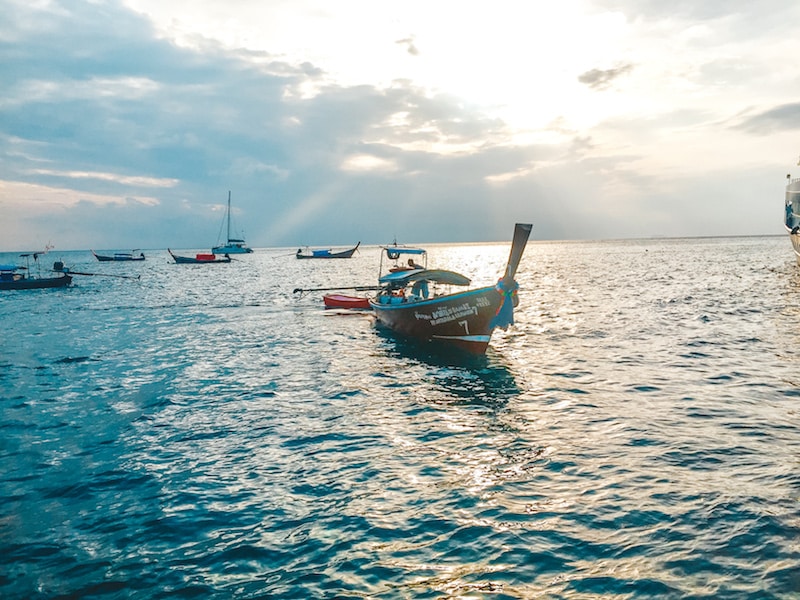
(358, 288)
(69, 272)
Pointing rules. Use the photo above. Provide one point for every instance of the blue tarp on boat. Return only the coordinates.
(395, 252)
(403, 278)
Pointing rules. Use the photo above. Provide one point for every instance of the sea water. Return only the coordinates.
(204, 432)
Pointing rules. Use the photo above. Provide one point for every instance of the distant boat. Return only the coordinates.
(119, 256)
(327, 253)
(345, 301)
(462, 320)
(232, 245)
(13, 277)
(791, 218)
(198, 259)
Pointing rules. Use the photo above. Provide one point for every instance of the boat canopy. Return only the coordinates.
(320, 252)
(400, 279)
(394, 252)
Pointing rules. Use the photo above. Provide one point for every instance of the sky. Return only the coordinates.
(125, 123)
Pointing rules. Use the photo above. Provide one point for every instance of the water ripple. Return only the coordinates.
(191, 436)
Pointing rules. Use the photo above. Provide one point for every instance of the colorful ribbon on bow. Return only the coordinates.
(505, 313)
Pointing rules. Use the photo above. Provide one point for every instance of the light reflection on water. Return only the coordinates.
(206, 432)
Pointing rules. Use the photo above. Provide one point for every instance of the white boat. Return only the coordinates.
(232, 245)
(791, 217)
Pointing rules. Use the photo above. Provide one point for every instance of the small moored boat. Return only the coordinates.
(118, 256)
(327, 253)
(13, 277)
(13, 280)
(198, 259)
(345, 301)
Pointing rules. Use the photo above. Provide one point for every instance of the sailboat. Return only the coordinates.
(232, 245)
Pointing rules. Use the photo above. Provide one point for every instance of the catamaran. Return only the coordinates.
(232, 245)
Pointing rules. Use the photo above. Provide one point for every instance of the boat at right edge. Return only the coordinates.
(462, 320)
(791, 218)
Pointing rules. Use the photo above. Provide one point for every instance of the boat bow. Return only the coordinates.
(505, 314)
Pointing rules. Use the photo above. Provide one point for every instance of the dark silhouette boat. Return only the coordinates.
(19, 281)
(118, 256)
(13, 277)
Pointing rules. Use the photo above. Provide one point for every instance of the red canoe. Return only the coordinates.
(342, 301)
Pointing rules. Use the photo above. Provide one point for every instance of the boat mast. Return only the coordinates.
(229, 216)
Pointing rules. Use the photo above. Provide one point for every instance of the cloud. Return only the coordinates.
(409, 45)
(688, 9)
(113, 134)
(122, 179)
(785, 117)
(182, 123)
(600, 79)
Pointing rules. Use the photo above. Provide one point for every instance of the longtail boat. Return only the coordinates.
(13, 277)
(198, 259)
(11, 280)
(326, 253)
(118, 256)
(462, 320)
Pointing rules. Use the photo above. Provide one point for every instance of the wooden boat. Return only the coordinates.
(119, 256)
(21, 281)
(232, 245)
(463, 320)
(13, 277)
(198, 259)
(345, 301)
(327, 253)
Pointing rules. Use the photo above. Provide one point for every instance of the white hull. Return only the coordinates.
(791, 217)
(795, 238)
(231, 250)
